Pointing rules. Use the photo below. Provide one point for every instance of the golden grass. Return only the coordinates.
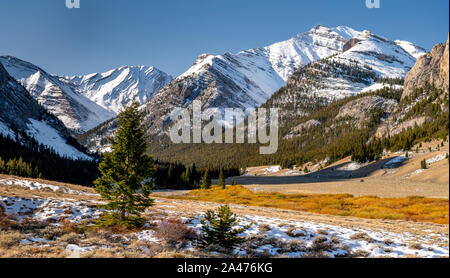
(415, 209)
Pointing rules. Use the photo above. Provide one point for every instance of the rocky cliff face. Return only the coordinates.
(432, 68)
(23, 119)
(76, 111)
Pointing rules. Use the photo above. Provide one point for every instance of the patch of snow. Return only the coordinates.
(379, 86)
(353, 166)
(436, 159)
(393, 163)
(6, 131)
(48, 136)
(33, 185)
(49, 209)
(272, 170)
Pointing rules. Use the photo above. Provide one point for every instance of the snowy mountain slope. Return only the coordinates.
(414, 50)
(119, 87)
(246, 79)
(383, 56)
(366, 59)
(76, 111)
(23, 119)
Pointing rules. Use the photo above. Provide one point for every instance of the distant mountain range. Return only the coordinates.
(246, 79)
(23, 120)
(117, 88)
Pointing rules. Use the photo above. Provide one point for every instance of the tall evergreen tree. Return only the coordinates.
(126, 171)
(221, 181)
(206, 182)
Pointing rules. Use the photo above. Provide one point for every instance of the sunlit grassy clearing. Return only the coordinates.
(416, 209)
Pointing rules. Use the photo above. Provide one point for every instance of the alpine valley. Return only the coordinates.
(361, 168)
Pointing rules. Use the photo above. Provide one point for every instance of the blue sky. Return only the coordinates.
(170, 34)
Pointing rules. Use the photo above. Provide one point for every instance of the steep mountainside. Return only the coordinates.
(248, 78)
(367, 60)
(425, 95)
(76, 111)
(414, 50)
(299, 75)
(433, 68)
(119, 87)
(25, 121)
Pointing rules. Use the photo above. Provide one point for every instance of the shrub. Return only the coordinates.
(218, 228)
(9, 239)
(423, 164)
(114, 222)
(172, 230)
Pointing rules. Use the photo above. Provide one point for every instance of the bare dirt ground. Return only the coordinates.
(375, 179)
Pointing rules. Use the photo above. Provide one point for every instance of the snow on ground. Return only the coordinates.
(393, 163)
(436, 159)
(379, 86)
(48, 136)
(6, 131)
(291, 173)
(353, 166)
(415, 173)
(272, 170)
(49, 209)
(33, 185)
(266, 235)
(375, 243)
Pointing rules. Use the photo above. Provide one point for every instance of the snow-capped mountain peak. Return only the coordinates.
(23, 120)
(76, 111)
(414, 50)
(117, 88)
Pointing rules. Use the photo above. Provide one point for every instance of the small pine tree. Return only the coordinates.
(218, 228)
(423, 164)
(2, 166)
(126, 172)
(206, 182)
(221, 181)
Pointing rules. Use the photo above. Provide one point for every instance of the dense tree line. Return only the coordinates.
(332, 140)
(38, 161)
(178, 176)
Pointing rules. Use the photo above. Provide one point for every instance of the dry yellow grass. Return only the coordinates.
(415, 209)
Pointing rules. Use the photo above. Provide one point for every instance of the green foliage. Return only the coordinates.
(33, 160)
(367, 152)
(218, 228)
(233, 182)
(423, 164)
(206, 181)
(126, 171)
(111, 220)
(221, 181)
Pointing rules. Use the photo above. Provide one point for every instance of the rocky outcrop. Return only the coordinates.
(351, 43)
(359, 110)
(432, 68)
(303, 127)
(443, 76)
